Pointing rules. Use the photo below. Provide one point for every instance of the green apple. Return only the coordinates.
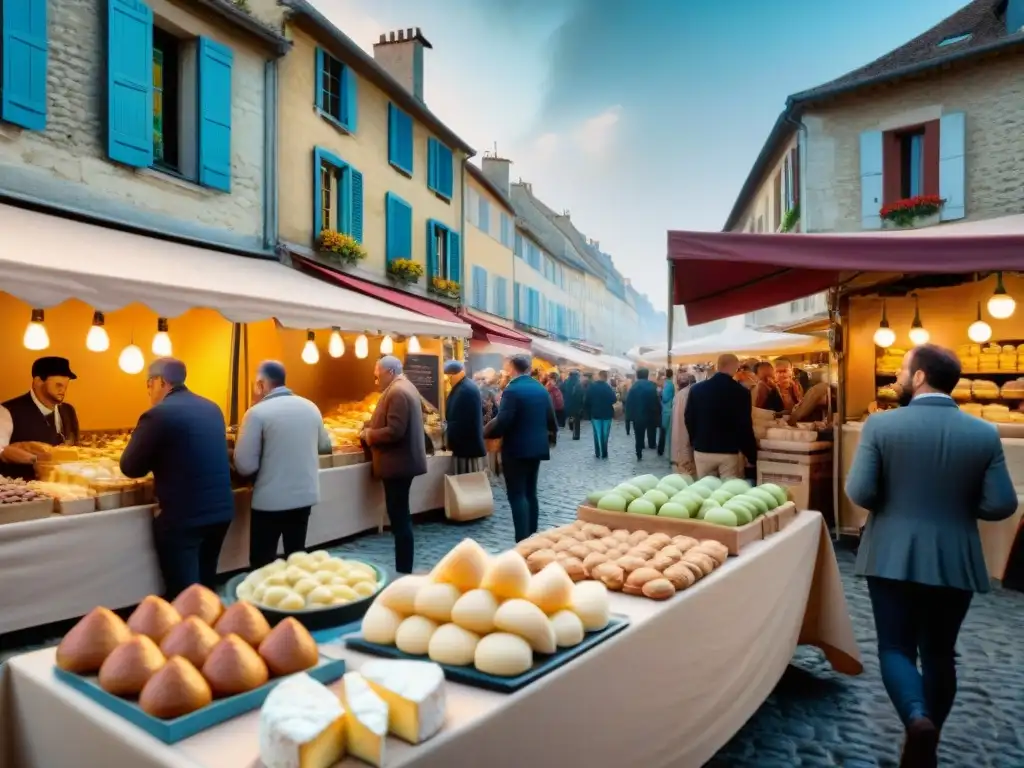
(722, 495)
(721, 516)
(656, 497)
(736, 486)
(612, 502)
(642, 506)
(596, 496)
(707, 505)
(672, 509)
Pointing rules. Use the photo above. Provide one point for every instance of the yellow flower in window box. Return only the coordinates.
(405, 270)
(449, 288)
(337, 246)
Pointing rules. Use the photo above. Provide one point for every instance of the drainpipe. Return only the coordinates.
(462, 232)
(270, 141)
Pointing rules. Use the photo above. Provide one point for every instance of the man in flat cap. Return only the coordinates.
(464, 414)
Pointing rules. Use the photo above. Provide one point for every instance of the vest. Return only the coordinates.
(30, 426)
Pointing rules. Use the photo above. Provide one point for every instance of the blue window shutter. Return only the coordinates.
(871, 179)
(318, 79)
(518, 245)
(399, 139)
(24, 48)
(454, 257)
(349, 99)
(431, 250)
(215, 62)
(355, 203)
(129, 82)
(446, 172)
(432, 164)
(399, 228)
(952, 170)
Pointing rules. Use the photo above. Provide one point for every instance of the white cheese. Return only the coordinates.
(366, 720)
(415, 695)
(302, 725)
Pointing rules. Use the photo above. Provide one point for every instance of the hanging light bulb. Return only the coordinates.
(131, 360)
(387, 345)
(162, 340)
(362, 347)
(310, 354)
(918, 333)
(1001, 304)
(36, 338)
(97, 339)
(979, 331)
(413, 347)
(336, 345)
(885, 336)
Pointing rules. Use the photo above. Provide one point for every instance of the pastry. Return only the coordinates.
(84, 649)
(199, 601)
(289, 648)
(192, 639)
(154, 617)
(658, 589)
(636, 580)
(233, 667)
(129, 666)
(176, 689)
(245, 620)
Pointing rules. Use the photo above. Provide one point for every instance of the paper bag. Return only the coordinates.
(468, 497)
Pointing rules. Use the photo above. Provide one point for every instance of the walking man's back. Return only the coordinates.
(927, 473)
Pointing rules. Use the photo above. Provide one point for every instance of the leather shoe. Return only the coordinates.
(920, 750)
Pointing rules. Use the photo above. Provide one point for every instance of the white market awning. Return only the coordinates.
(553, 351)
(745, 342)
(617, 363)
(46, 260)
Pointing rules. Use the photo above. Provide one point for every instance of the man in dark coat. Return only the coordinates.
(643, 404)
(720, 425)
(464, 413)
(182, 440)
(600, 403)
(525, 423)
(569, 387)
(576, 403)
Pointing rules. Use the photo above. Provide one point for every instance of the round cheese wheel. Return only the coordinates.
(380, 624)
(568, 629)
(503, 655)
(435, 601)
(451, 644)
(475, 611)
(523, 618)
(591, 603)
(413, 635)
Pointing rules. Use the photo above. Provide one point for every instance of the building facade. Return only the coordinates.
(490, 237)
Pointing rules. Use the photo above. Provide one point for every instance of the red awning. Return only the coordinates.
(722, 274)
(485, 330)
(390, 295)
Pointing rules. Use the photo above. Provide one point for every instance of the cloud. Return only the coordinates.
(596, 134)
(547, 143)
(363, 29)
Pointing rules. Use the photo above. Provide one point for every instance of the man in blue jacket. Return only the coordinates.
(600, 403)
(643, 404)
(526, 425)
(182, 440)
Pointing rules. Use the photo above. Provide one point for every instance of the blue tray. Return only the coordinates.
(221, 710)
(471, 676)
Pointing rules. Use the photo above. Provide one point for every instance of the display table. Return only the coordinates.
(670, 690)
(63, 567)
(996, 537)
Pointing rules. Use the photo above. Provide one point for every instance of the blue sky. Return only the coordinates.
(637, 117)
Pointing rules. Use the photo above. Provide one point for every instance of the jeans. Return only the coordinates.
(268, 528)
(396, 500)
(913, 619)
(602, 429)
(521, 487)
(188, 556)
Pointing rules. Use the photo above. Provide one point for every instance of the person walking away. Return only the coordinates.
(720, 423)
(525, 422)
(182, 440)
(557, 400)
(623, 395)
(681, 452)
(600, 402)
(398, 448)
(279, 443)
(643, 407)
(668, 395)
(926, 474)
(575, 404)
(464, 411)
(588, 379)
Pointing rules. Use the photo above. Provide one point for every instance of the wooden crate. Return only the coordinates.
(803, 469)
(779, 518)
(26, 510)
(734, 538)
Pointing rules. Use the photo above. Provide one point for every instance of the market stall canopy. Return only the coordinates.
(46, 260)
(721, 274)
(617, 363)
(555, 352)
(745, 342)
(494, 333)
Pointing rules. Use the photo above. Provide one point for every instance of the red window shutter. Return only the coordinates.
(892, 170)
(930, 183)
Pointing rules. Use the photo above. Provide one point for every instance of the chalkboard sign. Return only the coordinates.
(422, 371)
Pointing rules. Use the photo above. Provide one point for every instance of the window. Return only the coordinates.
(500, 302)
(518, 245)
(777, 202)
(166, 99)
(24, 43)
(479, 300)
(440, 169)
(400, 143)
(911, 164)
(336, 96)
(506, 230)
(444, 252)
(483, 215)
(337, 196)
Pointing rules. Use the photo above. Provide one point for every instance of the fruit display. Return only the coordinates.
(730, 503)
(308, 582)
(303, 724)
(635, 562)
(17, 491)
(487, 612)
(176, 663)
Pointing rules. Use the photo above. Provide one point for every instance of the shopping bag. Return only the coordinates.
(468, 497)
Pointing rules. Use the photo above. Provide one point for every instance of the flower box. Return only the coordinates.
(929, 220)
(339, 248)
(912, 213)
(405, 271)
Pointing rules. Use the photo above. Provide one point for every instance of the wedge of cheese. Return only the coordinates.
(415, 695)
(366, 719)
(302, 725)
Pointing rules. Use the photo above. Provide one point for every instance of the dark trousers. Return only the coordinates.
(639, 436)
(576, 419)
(396, 500)
(560, 418)
(652, 436)
(627, 425)
(662, 436)
(521, 487)
(266, 529)
(188, 556)
(602, 429)
(914, 620)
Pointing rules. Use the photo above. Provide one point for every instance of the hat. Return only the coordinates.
(453, 366)
(45, 367)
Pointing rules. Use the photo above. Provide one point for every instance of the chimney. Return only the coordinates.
(496, 170)
(1014, 16)
(400, 53)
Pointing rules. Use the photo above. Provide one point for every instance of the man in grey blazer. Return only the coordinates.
(279, 442)
(927, 473)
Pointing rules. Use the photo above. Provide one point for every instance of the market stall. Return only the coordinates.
(745, 342)
(115, 302)
(927, 296)
(742, 625)
(566, 356)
